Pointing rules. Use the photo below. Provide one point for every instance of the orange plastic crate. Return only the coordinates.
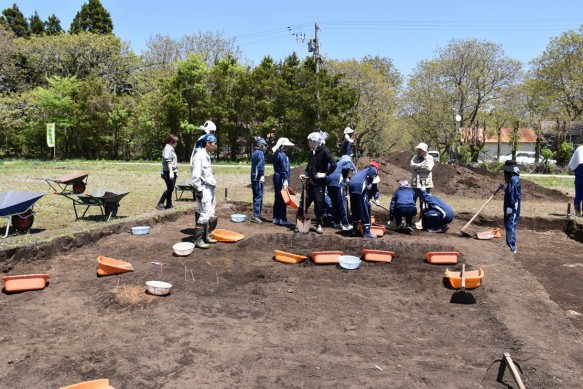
(442, 257)
(285, 257)
(326, 257)
(378, 255)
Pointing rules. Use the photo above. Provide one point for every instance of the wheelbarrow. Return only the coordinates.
(16, 206)
(106, 200)
(72, 183)
(183, 187)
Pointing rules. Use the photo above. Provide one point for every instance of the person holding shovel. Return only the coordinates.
(321, 163)
(204, 183)
(403, 208)
(422, 165)
(512, 200)
(576, 165)
(281, 180)
(363, 187)
(336, 185)
(258, 178)
(437, 214)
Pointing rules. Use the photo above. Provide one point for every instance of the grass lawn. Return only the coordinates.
(56, 217)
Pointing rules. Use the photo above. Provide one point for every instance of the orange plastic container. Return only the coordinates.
(473, 278)
(489, 233)
(226, 236)
(95, 384)
(25, 282)
(290, 198)
(109, 266)
(378, 255)
(326, 257)
(285, 257)
(442, 257)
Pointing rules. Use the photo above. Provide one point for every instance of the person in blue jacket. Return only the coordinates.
(363, 187)
(576, 164)
(281, 179)
(403, 207)
(512, 200)
(258, 178)
(348, 143)
(437, 214)
(336, 184)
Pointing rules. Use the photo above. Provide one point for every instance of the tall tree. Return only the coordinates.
(53, 25)
(37, 26)
(92, 17)
(16, 21)
(11, 75)
(211, 46)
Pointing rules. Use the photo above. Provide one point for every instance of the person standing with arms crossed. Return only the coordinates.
(422, 165)
(258, 178)
(169, 171)
(204, 183)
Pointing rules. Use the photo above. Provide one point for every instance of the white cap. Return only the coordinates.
(281, 142)
(376, 180)
(348, 130)
(314, 137)
(208, 126)
(421, 146)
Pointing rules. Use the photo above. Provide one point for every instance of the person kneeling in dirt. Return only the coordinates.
(437, 214)
(204, 183)
(321, 163)
(512, 200)
(363, 187)
(403, 207)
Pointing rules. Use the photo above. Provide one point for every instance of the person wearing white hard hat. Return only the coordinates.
(207, 128)
(348, 142)
(204, 183)
(281, 180)
(422, 164)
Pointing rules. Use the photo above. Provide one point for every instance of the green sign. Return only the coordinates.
(51, 134)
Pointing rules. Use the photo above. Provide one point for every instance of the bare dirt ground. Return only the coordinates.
(237, 318)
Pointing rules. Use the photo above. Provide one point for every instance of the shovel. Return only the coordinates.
(514, 367)
(303, 224)
(462, 296)
(463, 230)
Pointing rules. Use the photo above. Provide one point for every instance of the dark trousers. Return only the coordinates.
(510, 223)
(257, 188)
(279, 207)
(405, 212)
(170, 184)
(314, 194)
(338, 199)
(420, 197)
(360, 208)
(578, 196)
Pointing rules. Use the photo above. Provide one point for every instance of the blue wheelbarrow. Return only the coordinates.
(16, 206)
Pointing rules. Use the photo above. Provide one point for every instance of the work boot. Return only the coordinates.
(206, 236)
(160, 206)
(213, 223)
(199, 233)
(284, 223)
(366, 232)
(319, 229)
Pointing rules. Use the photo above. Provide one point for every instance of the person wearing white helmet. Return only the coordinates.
(348, 142)
(321, 163)
(422, 164)
(204, 183)
(281, 180)
(207, 128)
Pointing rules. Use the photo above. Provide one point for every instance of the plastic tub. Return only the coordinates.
(238, 218)
(378, 255)
(473, 278)
(349, 262)
(141, 230)
(183, 248)
(442, 257)
(285, 257)
(21, 283)
(159, 288)
(326, 257)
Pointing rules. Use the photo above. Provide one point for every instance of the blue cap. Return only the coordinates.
(260, 141)
(209, 138)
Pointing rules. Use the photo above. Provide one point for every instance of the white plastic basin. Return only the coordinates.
(238, 218)
(159, 288)
(349, 262)
(141, 230)
(183, 248)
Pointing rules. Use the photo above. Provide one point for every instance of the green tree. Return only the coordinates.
(92, 17)
(53, 25)
(16, 21)
(37, 26)
(11, 75)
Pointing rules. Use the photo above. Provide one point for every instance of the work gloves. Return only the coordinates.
(303, 177)
(262, 179)
(320, 175)
(377, 202)
(171, 174)
(423, 188)
(509, 211)
(285, 184)
(198, 195)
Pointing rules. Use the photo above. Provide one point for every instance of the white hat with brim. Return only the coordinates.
(421, 146)
(348, 130)
(281, 142)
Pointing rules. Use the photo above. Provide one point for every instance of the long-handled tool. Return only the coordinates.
(462, 296)
(463, 230)
(515, 370)
(303, 224)
(419, 224)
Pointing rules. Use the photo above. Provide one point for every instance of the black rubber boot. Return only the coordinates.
(207, 237)
(213, 223)
(366, 232)
(196, 217)
(355, 229)
(199, 233)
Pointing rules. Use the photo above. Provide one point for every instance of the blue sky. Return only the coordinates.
(407, 31)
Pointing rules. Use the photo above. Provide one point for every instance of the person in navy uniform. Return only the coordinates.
(348, 143)
(321, 163)
(258, 178)
(512, 200)
(403, 207)
(336, 185)
(363, 187)
(576, 165)
(437, 214)
(281, 180)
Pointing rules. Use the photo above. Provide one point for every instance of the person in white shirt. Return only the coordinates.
(204, 183)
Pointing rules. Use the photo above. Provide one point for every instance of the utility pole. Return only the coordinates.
(314, 47)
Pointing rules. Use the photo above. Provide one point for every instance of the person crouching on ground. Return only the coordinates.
(258, 178)
(336, 185)
(403, 207)
(204, 183)
(512, 200)
(437, 214)
(321, 163)
(361, 186)
(281, 180)
(576, 164)
(169, 171)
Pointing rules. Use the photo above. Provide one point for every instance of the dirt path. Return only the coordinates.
(237, 318)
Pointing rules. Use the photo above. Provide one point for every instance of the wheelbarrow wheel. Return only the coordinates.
(23, 221)
(111, 209)
(79, 187)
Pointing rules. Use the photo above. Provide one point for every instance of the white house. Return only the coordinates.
(526, 142)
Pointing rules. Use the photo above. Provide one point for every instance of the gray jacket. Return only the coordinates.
(422, 167)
